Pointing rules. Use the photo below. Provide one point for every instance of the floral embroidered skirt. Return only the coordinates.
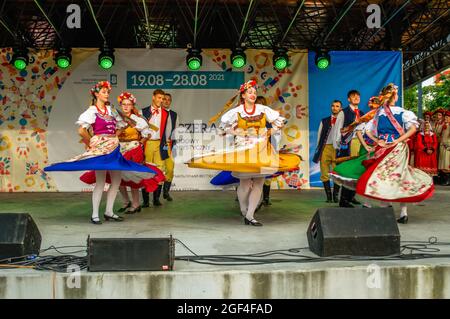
(253, 160)
(132, 151)
(103, 154)
(388, 177)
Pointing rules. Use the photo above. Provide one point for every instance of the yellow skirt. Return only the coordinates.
(261, 158)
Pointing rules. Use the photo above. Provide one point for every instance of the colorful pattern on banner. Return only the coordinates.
(39, 107)
(26, 100)
(367, 72)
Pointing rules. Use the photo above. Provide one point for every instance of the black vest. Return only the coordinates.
(326, 128)
(173, 119)
(349, 117)
(147, 113)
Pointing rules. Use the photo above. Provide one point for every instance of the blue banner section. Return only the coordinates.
(367, 72)
(184, 80)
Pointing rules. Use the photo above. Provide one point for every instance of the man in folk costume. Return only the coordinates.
(169, 162)
(325, 153)
(156, 148)
(347, 145)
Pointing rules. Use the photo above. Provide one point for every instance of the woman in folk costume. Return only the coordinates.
(347, 173)
(103, 151)
(425, 150)
(444, 151)
(251, 157)
(388, 177)
(132, 138)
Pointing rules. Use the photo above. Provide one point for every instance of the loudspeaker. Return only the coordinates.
(354, 231)
(19, 235)
(130, 254)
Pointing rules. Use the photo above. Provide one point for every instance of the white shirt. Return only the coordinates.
(156, 121)
(330, 137)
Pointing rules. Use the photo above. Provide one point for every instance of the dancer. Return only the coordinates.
(253, 157)
(103, 153)
(169, 162)
(388, 177)
(347, 145)
(132, 138)
(347, 173)
(156, 147)
(325, 153)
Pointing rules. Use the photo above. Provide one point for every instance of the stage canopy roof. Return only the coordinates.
(421, 29)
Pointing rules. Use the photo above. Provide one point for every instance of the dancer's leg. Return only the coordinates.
(243, 192)
(254, 197)
(100, 177)
(112, 192)
(135, 197)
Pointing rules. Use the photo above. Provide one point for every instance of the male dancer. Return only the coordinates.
(169, 162)
(347, 145)
(325, 153)
(156, 147)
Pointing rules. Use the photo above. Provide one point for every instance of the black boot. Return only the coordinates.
(353, 199)
(336, 193)
(166, 190)
(446, 179)
(266, 194)
(346, 196)
(156, 195)
(145, 198)
(327, 187)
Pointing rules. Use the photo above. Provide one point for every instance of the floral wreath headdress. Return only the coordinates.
(126, 96)
(100, 85)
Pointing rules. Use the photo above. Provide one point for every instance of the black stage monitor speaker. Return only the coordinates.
(19, 235)
(354, 231)
(130, 254)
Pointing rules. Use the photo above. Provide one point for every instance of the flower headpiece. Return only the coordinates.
(389, 89)
(374, 102)
(100, 85)
(247, 85)
(126, 96)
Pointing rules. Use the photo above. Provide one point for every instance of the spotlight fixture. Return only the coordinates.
(322, 59)
(280, 58)
(194, 59)
(63, 58)
(238, 58)
(106, 57)
(20, 58)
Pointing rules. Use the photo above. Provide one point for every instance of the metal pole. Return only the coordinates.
(419, 100)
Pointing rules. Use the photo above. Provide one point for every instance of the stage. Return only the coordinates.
(209, 223)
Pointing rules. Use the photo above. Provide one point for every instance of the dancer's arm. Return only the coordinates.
(85, 136)
(411, 131)
(360, 137)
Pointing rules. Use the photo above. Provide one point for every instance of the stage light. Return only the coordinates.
(238, 58)
(106, 57)
(322, 60)
(20, 58)
(194, 59)
(63, 58)
(280, 58)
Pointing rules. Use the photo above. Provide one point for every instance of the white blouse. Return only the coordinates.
(230, 118)
(87, 118)
(408, 118)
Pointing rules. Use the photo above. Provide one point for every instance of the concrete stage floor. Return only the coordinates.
(209, 223)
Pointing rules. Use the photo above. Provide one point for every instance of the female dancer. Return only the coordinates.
(253, 157)
(132, 138)
(388, 177)
(103, 151)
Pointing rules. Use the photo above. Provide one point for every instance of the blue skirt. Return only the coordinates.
(113, 161)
